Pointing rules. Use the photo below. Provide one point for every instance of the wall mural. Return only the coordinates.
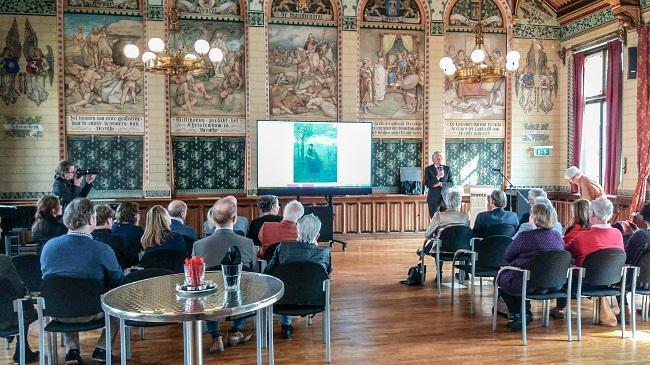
(303, 72)
(109, 4)
(536, 80)
(303, 9)
(224, 7)
(99, 79)
(31, 77)
(391, 74)
(393, 11)
(466, 13)
(535, 12)
(222, 89)
(474, 101)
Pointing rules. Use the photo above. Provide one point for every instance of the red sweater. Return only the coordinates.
(274, 232)
(594, 239)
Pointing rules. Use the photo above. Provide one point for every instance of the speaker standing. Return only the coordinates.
(437, 177)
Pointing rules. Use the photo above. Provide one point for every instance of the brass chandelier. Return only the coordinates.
(477, 71)
(163, 59)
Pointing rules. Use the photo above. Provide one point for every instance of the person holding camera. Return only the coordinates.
(68, 182)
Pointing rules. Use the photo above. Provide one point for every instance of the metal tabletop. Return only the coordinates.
(156, 299)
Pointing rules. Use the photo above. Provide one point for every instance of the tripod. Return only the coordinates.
(330, 204)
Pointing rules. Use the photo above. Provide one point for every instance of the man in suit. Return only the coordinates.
(494, 215)
(213, 249)
(437, 177)
(178, 211)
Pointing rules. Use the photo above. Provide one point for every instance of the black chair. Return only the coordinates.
(10, 303)
(270, 251)
(549, 276)
(306, 292)
(600, 276)
(641, 281)
(163, 259)
(485, 259)
(501, 229)
(70, 298)
(189, 245)
(452, 239)
(28, 267)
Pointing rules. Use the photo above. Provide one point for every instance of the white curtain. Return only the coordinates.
(407, 40)
(387, 43)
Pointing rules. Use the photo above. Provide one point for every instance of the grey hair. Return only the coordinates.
(436, 153)
(572, 172)
(543, 200)
(498, 198)
(602, 208)
(308, 228)
(210, 219)
(453, 199)
(293, 211)
(176, 208)
(536, 192)
(78, 213)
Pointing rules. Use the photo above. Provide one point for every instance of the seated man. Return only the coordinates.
(529, 226)
(305, 249)
(178, 212)
(285, 231)
(269, 206)
(77, 255)
(532, 194)
(126, 256)
(495, 214)
(213, 249)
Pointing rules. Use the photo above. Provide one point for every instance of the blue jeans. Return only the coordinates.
(285, 320)
(215, 331)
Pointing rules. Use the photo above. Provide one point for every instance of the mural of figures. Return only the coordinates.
(466, 13)
(536, 80)
(391, 74)
(225, 7)
(111, 4)
(35, 76)
(474, 101)
(98, 77)
(303, 9)
(393, 11)
(303, 71)
(221, 90)
(535, 12)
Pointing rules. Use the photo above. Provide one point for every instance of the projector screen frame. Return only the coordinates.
(312, 190)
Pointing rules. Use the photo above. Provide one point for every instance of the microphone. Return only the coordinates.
(495, 169)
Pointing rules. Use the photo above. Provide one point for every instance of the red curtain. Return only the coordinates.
(613, 116)
(578, 105)
(642, 119)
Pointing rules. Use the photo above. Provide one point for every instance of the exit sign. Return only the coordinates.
(541, 151)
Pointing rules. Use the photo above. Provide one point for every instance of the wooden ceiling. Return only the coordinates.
(564, 8)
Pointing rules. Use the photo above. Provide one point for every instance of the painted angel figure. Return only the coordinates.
(9, 66)
(39, 66)
(525, 85)
(547, 86)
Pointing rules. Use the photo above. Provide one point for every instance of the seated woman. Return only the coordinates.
(639, 244)
(127, 218)
(521, 252)
(158, 234)
(528, 226)
(580, 219)
(47, 224)
(452, 216)
(8, 272)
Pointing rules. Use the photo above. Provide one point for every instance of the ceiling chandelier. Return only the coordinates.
(164, 59)
(476, 70)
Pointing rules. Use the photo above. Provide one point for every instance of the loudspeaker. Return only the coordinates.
(326, 216)
(631, 63)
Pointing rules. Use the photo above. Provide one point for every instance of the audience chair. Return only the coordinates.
(70, 298)
(164, 259)
(486, 257)
(270, 251)
(306, 292)
(549, 276)
(602, 274)
(189, 245)
(10, 303)
(452, 239)
(28, 267)
(501, 229)
(642, 286)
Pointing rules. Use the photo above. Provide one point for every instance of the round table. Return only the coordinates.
(156, 300)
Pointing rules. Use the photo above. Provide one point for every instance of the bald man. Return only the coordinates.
(178, 211)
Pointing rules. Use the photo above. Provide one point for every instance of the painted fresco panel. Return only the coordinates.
(221, 90)
(392, 11)
(301, 9)
(474, 101)
(213, 7)
(535, 12)
(105, 4)
(391, 74)
(303, 62)
(536, 80)
(467, 12)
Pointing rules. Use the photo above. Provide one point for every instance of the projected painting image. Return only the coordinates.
(314, 153)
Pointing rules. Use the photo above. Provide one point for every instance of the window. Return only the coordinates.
(594, 123)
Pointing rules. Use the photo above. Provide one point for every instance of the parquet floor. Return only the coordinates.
(376, 320)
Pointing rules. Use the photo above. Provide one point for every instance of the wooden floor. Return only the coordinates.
(376, 320)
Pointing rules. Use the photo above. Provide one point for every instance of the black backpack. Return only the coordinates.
(414, 276)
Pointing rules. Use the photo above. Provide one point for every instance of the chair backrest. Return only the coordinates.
(268, 254)
(189, 245)
(548, 269)
(28, 267)
(7, 296)
(137, 275)
(455, 238)
(603, 267)
(163, 259)
(491, 252)
(501, 229)
(303, 283)
(644, 270)
(71, 297)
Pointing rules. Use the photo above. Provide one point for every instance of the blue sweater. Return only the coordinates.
(174, 241)
(81, 257)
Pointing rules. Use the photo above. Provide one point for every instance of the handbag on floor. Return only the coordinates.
(414, 276)
(607, 316)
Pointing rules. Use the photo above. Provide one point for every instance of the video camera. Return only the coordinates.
(89, 171)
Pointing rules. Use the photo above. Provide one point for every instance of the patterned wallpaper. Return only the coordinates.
(118, 158)
(208, 164)
(472, 160)
(590, 21)
(388, 155)
(32, 7)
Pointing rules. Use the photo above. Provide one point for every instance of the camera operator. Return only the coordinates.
(68, 185)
